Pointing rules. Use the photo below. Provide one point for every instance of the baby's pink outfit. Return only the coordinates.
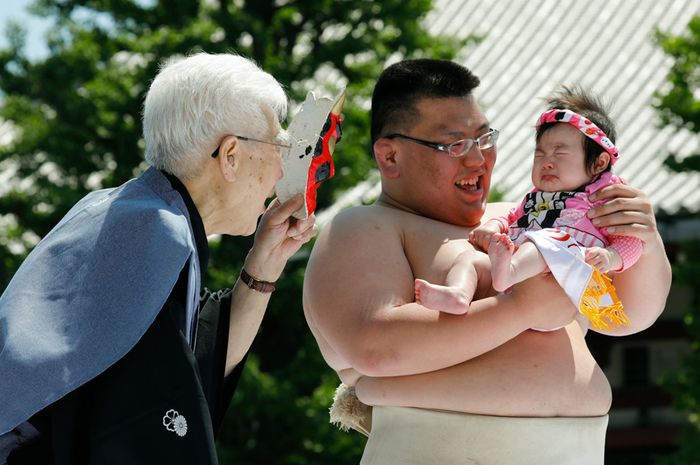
(566, 211)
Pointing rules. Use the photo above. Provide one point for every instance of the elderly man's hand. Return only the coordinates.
(278, 237)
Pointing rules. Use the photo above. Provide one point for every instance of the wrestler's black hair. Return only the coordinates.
(402, 84)
(583, 102)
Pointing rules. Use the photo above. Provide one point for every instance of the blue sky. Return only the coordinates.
(36, 27)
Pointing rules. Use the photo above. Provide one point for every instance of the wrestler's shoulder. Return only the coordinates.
(363, 217)
(496, 209)
(365, 227)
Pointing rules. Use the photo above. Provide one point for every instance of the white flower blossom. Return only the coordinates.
(180, 425)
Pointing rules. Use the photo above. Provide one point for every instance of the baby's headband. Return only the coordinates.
(586, 126)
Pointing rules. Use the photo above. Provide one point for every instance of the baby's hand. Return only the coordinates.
(481, 236)
(604, 259)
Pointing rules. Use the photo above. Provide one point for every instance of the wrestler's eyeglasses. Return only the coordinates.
(215, 153)
(456, 149)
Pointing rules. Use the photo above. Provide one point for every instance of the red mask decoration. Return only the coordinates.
(321, 167)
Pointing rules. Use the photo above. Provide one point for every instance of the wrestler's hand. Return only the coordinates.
(627, 212)
(278, 237)
(546, 303)
(604, 259)
(481, 236)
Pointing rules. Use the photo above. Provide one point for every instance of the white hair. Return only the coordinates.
(196, 101)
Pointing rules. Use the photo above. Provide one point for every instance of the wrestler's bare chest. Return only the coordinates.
(556, 363)
(431, 248)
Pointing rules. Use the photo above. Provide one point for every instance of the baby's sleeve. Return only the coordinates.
(630, 249)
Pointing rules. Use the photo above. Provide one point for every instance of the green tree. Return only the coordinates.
(680, 107)
(75, 119)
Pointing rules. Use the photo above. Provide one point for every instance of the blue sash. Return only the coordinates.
(90, 289)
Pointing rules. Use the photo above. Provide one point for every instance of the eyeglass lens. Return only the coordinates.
(485, 142)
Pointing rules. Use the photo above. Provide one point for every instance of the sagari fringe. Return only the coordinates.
(602, 317)
(348, 412)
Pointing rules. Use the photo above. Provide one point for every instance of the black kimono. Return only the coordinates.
(160, 403)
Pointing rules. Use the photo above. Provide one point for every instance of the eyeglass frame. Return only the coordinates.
(446, 147)
(215, 153)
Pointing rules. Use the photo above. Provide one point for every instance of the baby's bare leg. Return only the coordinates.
(508, 268)
(460, 284)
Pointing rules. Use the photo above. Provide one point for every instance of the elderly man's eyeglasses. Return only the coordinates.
(215, 153)
(456, 149)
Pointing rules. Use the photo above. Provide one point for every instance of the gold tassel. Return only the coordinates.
(602, 318)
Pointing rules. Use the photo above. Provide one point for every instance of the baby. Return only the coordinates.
(574, 154)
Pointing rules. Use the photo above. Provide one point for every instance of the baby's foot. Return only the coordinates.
(443, 298)
(500, 252)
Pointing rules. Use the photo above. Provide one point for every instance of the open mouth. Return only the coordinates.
(472, 184)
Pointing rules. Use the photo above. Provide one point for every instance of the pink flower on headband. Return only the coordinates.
(586, 126)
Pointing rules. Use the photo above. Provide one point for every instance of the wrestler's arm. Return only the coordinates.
(535, 374)
(358, 289)
(642, 288)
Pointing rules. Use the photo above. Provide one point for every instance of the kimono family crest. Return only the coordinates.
(175, 423)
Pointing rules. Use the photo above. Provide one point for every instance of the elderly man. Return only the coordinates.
(107, 353)
(479, 388)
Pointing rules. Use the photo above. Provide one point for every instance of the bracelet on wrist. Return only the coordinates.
(256, 284)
